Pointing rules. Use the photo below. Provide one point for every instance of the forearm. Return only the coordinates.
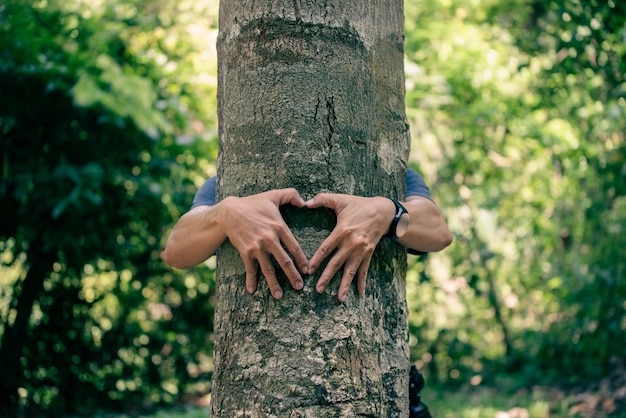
(428, 231)
(195, 237)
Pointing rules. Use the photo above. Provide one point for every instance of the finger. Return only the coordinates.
(270, 276)
(320, 200)
(324, 250)
(289, 268)
(290, 196)
(294, 248)
(350, 270)
(333, 266)
(251, 275)
(362, 274)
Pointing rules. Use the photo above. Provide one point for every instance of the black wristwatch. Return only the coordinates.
(400, 222)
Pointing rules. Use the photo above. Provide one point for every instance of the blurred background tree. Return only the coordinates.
(518, 120)
(108, 126)
(106, 114)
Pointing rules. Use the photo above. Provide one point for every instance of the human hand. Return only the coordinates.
(361, 223)
(257, 229)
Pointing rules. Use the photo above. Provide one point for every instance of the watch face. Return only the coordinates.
(402, 226)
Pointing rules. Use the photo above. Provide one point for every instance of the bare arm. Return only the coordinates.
(428, 231)
(195, 237)
(361, 223)
(254, 226)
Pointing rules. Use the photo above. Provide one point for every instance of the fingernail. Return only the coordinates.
(342, 297)
(298, 285)
(278, 294)
(304, 269)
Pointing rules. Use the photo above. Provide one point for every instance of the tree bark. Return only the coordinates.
(15, 334)
(311, 96)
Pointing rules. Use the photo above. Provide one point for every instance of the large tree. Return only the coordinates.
(311, 96)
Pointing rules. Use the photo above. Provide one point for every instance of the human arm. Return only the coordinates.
(361, 223)
(254, 226)
(428, 231)
(195, 237)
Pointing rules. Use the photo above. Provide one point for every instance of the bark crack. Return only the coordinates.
(317, 108)
(331, 119)
(296, 9)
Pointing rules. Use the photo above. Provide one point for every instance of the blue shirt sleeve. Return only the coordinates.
(415, 186)
(206, 193)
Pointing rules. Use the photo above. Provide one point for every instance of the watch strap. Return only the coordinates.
(400, 211)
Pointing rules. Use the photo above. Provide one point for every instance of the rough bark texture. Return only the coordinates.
(311, 96)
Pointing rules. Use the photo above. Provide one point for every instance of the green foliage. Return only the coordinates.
(101, 147)
(108, 126)
(517, 111)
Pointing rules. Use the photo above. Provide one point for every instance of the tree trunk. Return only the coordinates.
(311, 96)
(15, 334)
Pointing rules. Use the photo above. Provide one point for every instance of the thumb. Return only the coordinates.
(326, 200)
(290, 196)
(317, 201)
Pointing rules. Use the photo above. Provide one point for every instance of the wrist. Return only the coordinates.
(220, 214)
(399, 221)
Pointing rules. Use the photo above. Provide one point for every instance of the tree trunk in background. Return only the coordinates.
(15, 334)
(311, 96)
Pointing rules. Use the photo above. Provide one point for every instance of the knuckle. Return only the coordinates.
(360, 241)
(287, 263)
(249, 253)
(251, 247)
(350, 272)
(334, 266)
(264, 241)
(268, 270)
(324, 250)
